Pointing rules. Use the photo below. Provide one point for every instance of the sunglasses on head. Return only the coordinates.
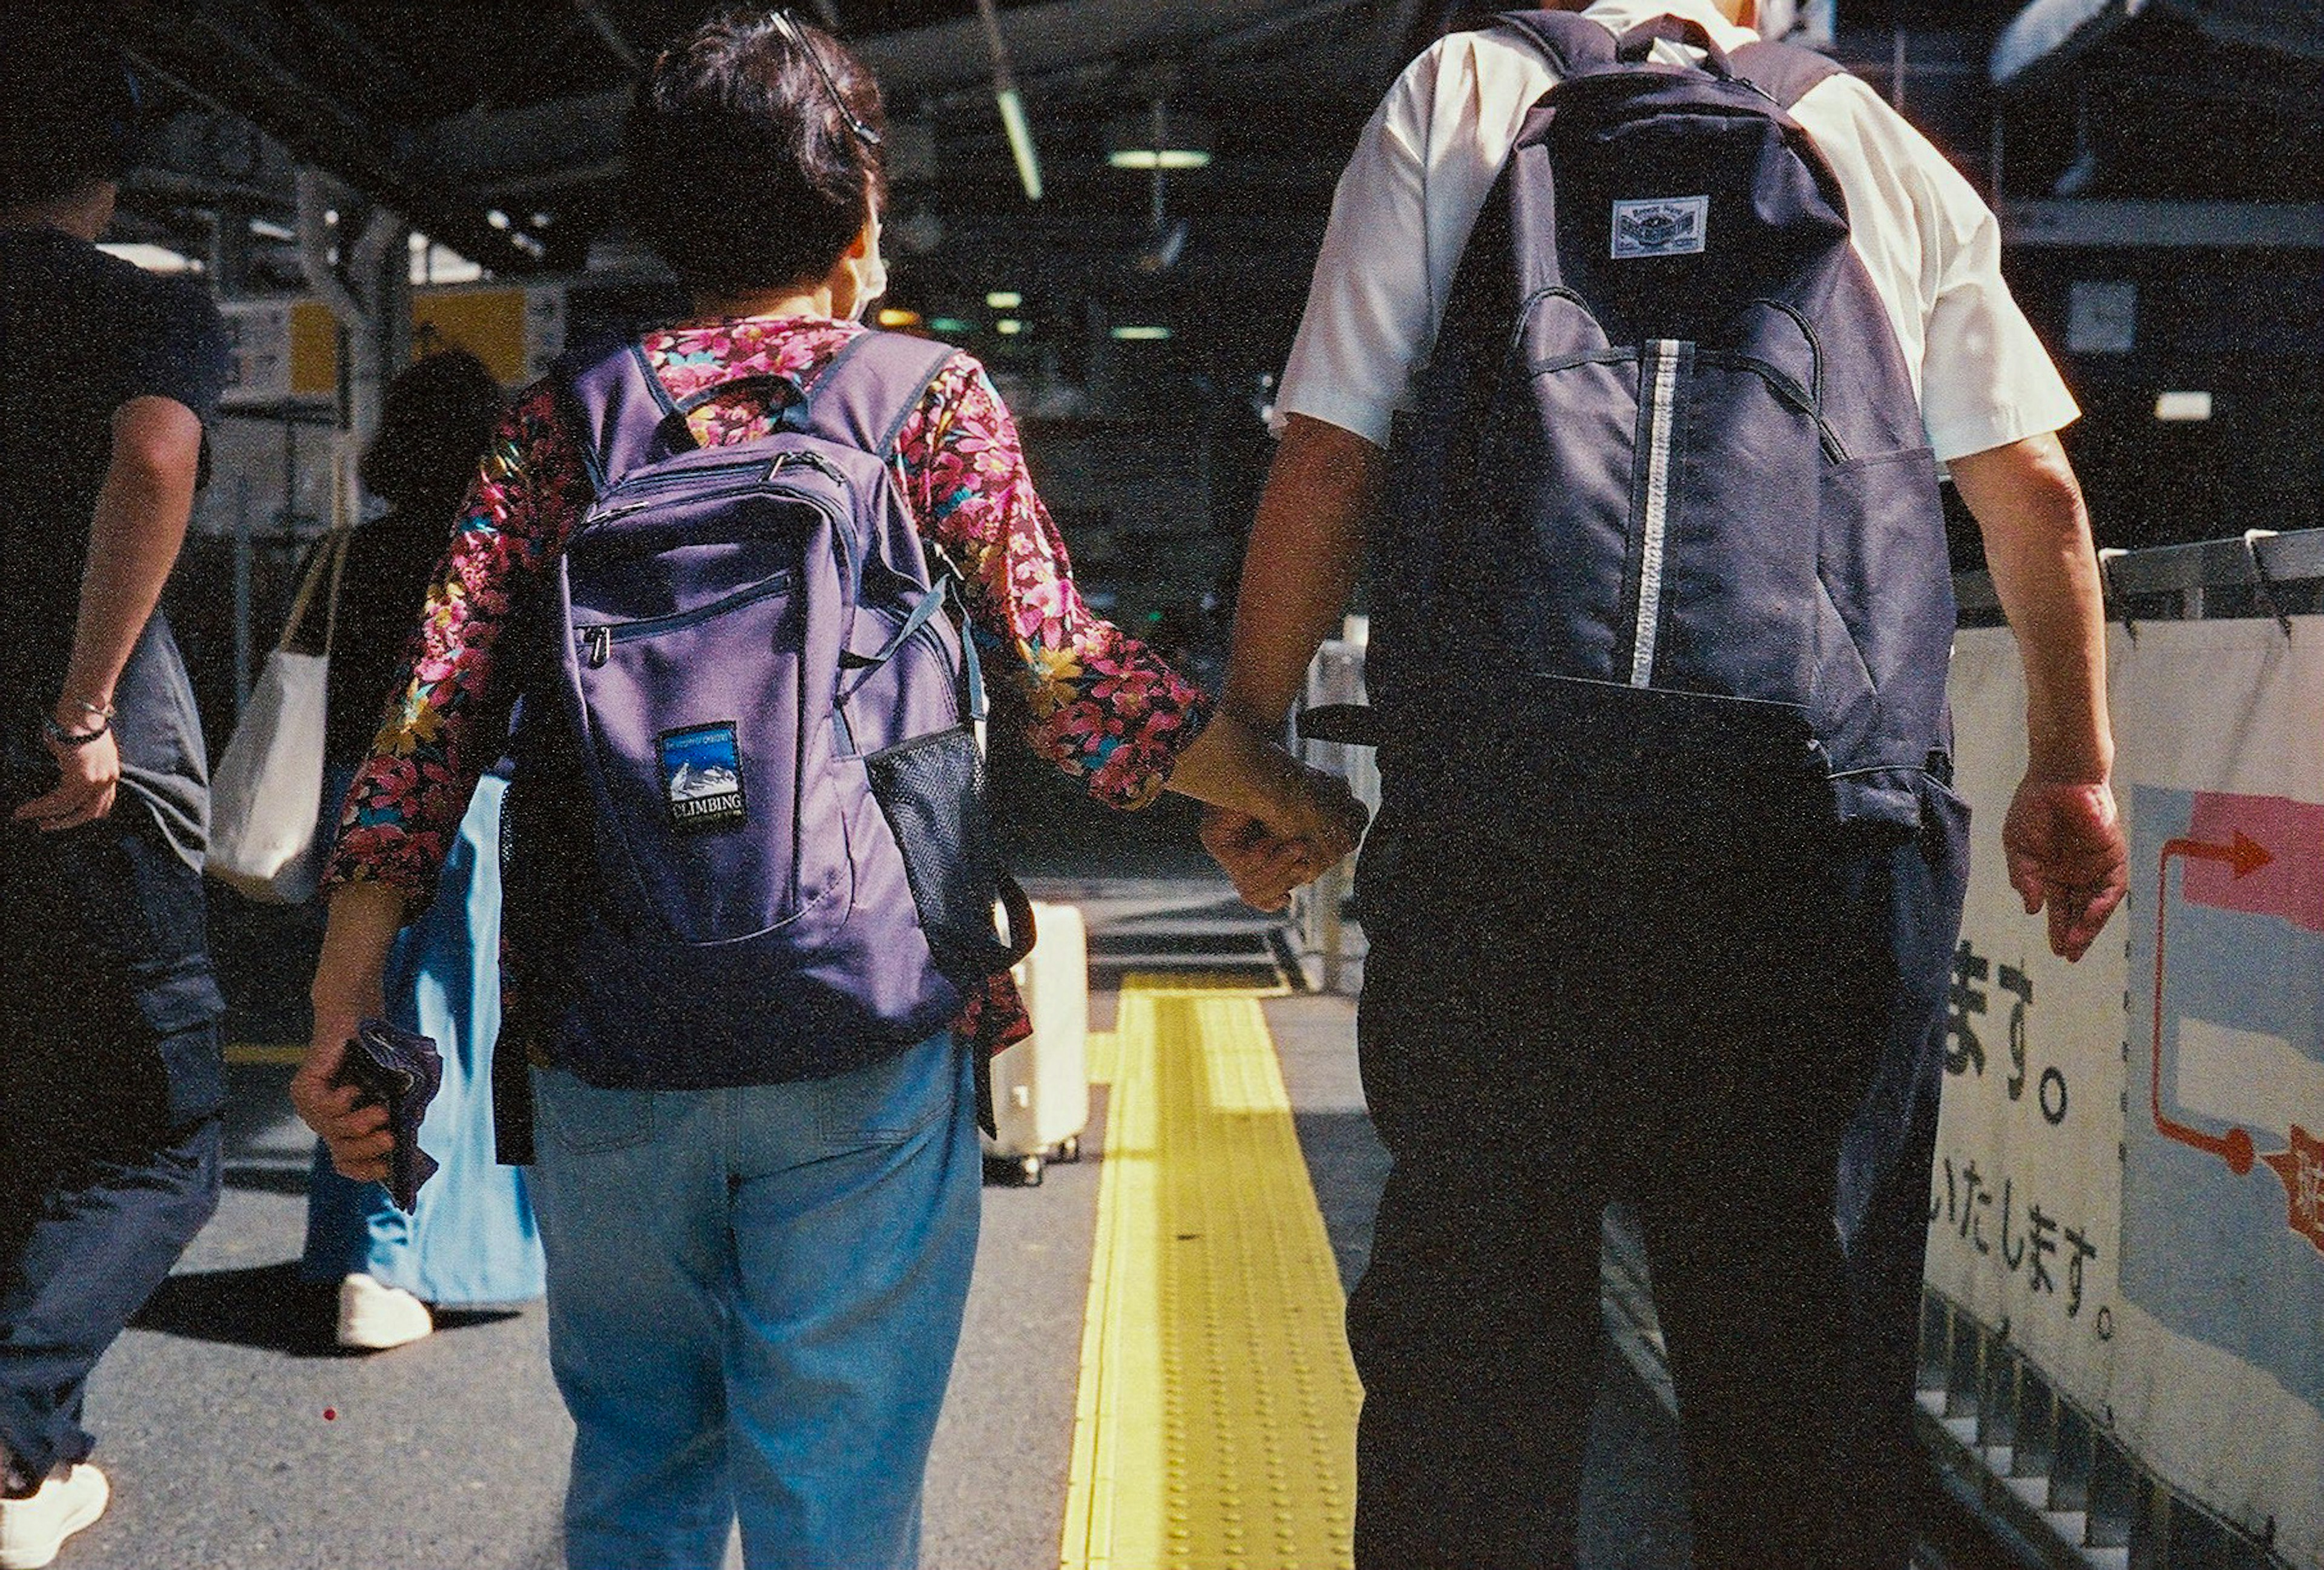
(788, 26)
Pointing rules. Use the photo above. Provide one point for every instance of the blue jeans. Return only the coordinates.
(111, 1086)
(754, 1296)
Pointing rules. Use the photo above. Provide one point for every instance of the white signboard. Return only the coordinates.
(2130, 1167)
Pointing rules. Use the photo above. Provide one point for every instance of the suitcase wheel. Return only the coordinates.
(1070, 1151)
(1029, 1170)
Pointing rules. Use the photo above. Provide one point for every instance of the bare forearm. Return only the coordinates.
(1229, 766)
(134, 538)
(2045, 573)
(1305, 548)
(357, 937)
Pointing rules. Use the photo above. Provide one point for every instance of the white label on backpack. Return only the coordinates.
(1660, 227)
(702, 776)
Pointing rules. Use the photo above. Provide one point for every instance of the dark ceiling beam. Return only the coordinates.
(1065, 35)
(206, 49)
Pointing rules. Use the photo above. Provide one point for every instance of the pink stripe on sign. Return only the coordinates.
(2291, 885)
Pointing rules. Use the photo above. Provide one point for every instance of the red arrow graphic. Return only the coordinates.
(2245, 857)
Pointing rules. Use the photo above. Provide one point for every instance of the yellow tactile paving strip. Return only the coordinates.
(1215, 1427)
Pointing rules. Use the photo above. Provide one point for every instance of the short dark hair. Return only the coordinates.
(433, 423)
(70, 111)
(741, 172)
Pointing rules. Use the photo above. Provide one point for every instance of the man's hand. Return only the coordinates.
(357, 1135)
(88, 776)
(2066, 852)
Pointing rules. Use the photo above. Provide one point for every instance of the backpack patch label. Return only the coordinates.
(1660, 227)
(702, 776)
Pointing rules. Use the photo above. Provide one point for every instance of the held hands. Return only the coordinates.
(2066, 851)
(1313, 822)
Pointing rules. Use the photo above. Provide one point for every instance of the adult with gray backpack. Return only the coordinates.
(1653, 335)
(721, 571)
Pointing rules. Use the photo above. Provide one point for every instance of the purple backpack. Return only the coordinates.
(749, 835)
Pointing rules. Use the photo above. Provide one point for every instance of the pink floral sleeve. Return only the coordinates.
(404, 811)
(1103, 706)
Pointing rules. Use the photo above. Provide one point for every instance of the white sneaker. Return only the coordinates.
(374, 1315)
(32, 1530)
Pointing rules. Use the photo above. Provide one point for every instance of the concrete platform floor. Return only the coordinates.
(450, 1453)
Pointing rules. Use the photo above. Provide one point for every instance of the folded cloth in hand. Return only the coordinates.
(402, 1070)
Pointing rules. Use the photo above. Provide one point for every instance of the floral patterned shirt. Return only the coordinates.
(1101, 706)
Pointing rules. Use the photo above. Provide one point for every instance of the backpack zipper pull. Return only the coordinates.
(601, 645)
(814, 460)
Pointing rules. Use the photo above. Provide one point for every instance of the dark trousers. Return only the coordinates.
(1736, 1031)
(111, 1087)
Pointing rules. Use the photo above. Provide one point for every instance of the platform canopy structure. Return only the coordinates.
(494, 129)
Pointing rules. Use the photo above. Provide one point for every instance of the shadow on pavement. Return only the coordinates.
(264, 1306)
(268, 1307)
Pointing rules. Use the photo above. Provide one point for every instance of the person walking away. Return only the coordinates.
(1627, 940)
(471, 1239)
(111, 1076)
(757, 1192)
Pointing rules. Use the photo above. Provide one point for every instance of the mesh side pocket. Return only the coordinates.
(931, 790)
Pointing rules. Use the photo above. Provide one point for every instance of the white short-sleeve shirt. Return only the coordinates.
(1430, 155)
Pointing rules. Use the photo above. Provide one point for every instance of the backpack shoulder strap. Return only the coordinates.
(1572, 44)
(617, 406)
(1784, 71)
(863, 397)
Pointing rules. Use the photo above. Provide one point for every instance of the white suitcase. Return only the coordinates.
(1040, 1085)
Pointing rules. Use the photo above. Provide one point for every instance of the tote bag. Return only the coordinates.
(268, 790)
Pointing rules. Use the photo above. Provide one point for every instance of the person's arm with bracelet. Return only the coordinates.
(139, 524)
(2064, 840)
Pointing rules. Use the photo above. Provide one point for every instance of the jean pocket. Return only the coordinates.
(584, 1118)
(892, 1100)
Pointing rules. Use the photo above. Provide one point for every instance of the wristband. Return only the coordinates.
(65, 738)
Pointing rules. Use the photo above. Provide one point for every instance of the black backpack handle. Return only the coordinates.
(1635, 45)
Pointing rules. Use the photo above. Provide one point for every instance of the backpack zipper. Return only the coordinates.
(661, 482)
(598, 638)
(765, 471)
(1658, 381)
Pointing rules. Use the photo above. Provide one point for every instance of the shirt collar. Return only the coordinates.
(1622, 16)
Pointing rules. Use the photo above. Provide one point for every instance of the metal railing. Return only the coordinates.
(2259, 574)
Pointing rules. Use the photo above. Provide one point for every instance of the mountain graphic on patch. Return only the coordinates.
(702, 776)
